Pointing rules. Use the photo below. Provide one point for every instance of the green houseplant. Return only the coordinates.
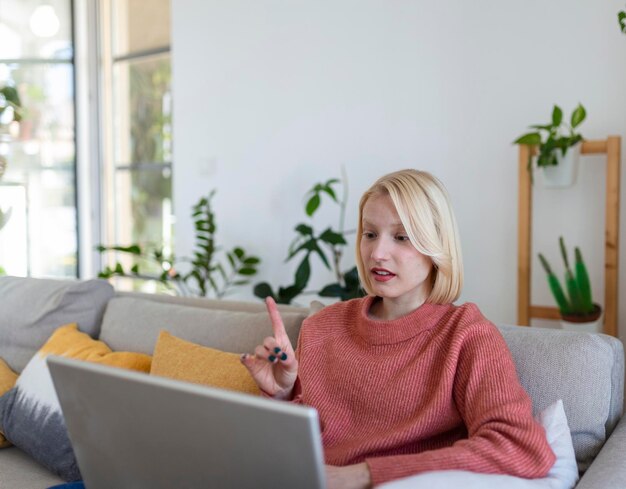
(575, 301)
(310, 243)
(208, 275)
(555, 139)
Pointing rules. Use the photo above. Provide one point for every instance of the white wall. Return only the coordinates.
(272, 96)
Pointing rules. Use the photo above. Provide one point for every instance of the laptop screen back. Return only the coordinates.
(132, 430)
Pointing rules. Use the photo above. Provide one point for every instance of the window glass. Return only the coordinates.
(46, 132)
(35, 29)
(140, 25)
(38, 188)
(143, 123)
(144, 197)
(139, 126)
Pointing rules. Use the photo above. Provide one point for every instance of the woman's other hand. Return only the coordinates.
(348, 477)
(273, 366)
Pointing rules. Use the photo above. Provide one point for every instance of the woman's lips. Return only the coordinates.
(382, 275)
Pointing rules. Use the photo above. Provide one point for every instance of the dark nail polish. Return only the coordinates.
(283, 357)
(271, 358)
(276, 350)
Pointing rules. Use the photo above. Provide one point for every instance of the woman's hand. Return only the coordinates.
(273, 366)
(348, 477)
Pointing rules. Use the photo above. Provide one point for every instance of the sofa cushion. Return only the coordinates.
(18, 470)
(33, 308)
(134, 324)
(585, 370)
(182, 360)
(30, 414)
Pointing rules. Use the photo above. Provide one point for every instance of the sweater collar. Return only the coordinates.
(378, 332)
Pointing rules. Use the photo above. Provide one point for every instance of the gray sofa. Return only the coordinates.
(585, 370)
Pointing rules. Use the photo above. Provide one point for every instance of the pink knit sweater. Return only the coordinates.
(434, 390)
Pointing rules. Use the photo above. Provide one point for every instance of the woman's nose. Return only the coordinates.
(380, 251)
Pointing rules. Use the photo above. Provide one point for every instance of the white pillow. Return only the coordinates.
(562, 475)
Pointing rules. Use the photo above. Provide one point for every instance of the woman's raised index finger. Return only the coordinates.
(277, 322)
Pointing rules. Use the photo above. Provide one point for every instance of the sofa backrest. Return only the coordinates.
(132, 322)
(585, 370)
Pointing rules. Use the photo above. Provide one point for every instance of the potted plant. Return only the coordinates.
(559, 147)
(208, 276)
(577, 309)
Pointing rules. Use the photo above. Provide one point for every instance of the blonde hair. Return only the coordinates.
(425, 211)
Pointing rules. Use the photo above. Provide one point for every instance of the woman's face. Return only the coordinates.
(397, 271)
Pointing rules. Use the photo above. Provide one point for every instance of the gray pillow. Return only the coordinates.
(133, 324)
(31, 309)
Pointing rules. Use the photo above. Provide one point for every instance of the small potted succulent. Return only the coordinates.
(578, 311)
(559, 147)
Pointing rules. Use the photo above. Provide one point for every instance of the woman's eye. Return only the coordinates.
(401, 237)
(368, 235)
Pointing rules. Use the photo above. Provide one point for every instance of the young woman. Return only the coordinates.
(405, 381)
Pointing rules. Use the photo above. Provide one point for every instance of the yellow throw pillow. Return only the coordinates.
(67, 341)
(7, 381)
(182, 360)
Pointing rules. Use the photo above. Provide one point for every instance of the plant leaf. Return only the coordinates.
(578, 116)
(252, 260)
(304, 229)
(307, 245)
(312, 204)
(531, 139)
(351, 277)
(331, 290)
(331, 237)
(263, 290)
(247, 271)
(303, 273)
(132, 249)
(286, 295)
(557, 116)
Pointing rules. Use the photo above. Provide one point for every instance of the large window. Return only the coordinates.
(39, 184)
(137, 108)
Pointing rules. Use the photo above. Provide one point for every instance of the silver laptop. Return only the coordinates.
(131, 430)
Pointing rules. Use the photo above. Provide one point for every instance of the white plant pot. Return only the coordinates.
(595, 326)
(563, 174)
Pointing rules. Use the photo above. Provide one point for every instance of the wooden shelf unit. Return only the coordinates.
(525, 310)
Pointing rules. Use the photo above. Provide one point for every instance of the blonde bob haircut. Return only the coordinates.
(425, 211)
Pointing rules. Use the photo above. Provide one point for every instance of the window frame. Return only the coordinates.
(110, 168)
